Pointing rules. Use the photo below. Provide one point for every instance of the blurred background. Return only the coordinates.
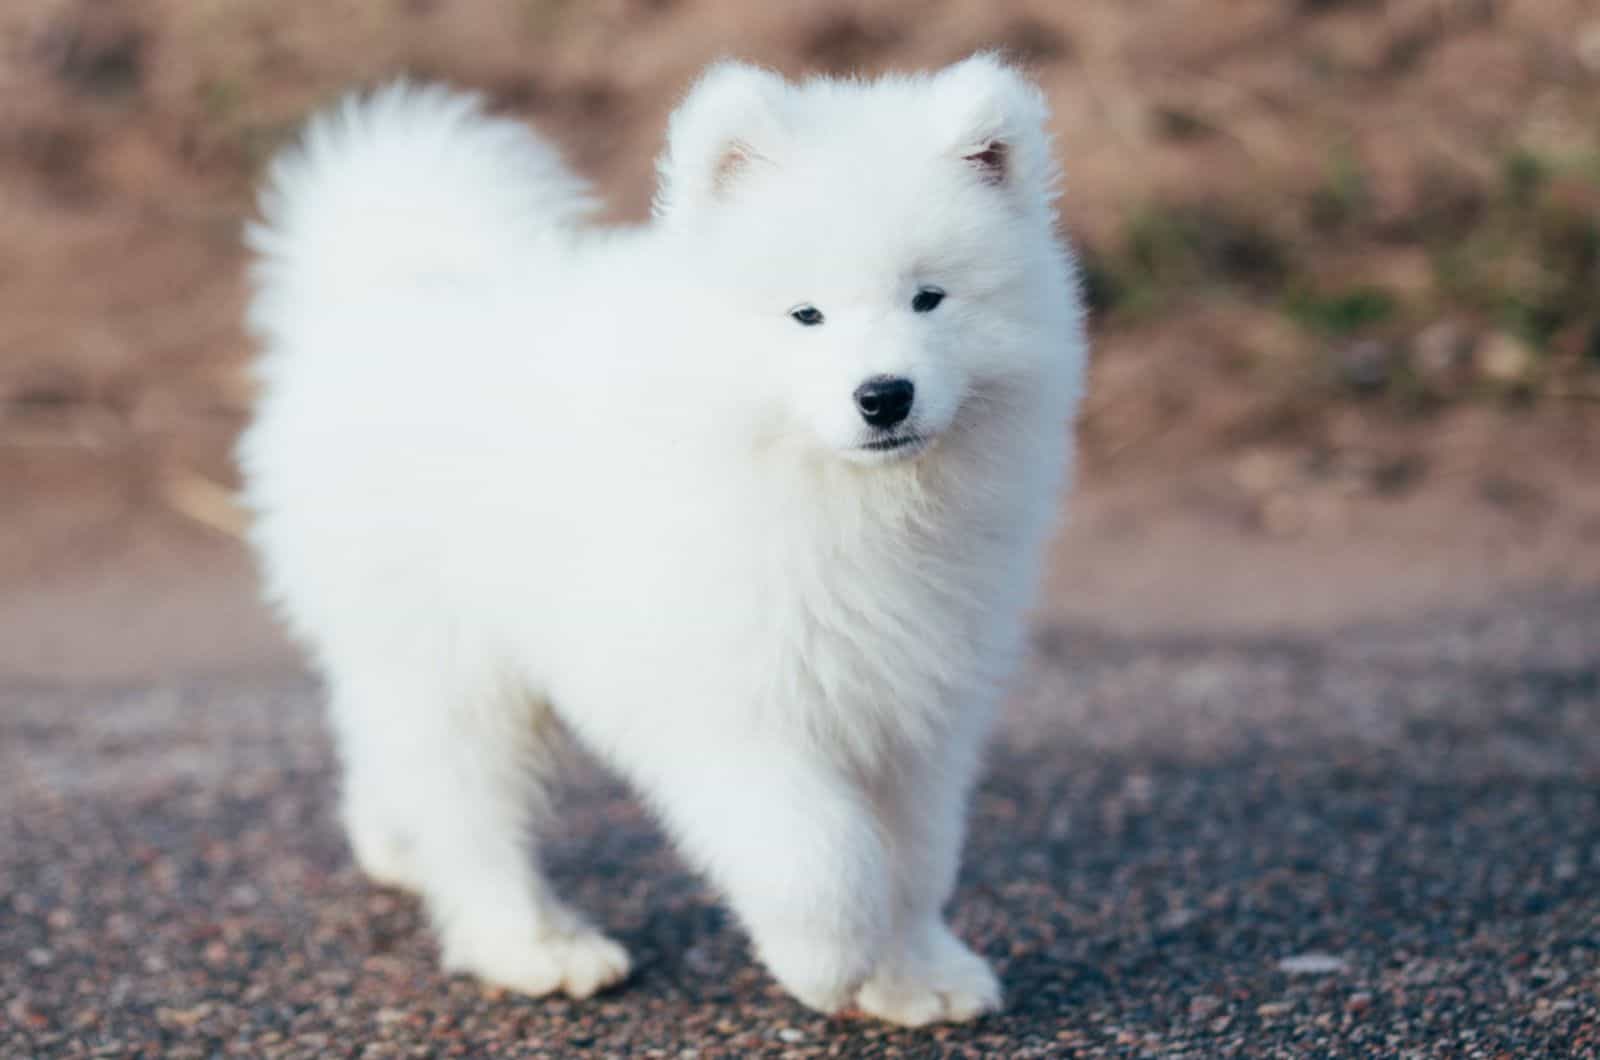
(1343, 257)
(1303, 760)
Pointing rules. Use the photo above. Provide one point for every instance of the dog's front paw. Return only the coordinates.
(578, 963)
(945, 983)
(821, 974)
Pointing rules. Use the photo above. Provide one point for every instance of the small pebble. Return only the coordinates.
(1312, 964)
(1505, 360)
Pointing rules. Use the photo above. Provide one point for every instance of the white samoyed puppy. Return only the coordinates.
(750, 498)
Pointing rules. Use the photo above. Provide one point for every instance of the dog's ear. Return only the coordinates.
(992, 119)
(730, 123)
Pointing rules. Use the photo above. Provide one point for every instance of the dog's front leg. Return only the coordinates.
(792, 842)
(927, 974)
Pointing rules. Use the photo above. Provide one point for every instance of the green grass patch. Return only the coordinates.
(1169, 252)
(1340, 314)
(1531, 262)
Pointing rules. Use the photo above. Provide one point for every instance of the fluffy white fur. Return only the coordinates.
(510, 468)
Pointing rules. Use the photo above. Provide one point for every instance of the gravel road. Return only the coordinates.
(1381, 842)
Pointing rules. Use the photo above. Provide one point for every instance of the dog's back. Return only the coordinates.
(403, 188)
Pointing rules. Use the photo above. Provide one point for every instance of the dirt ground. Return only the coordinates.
(1240, 464)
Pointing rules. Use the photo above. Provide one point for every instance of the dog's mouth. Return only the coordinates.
(899, 441)
(898, 444)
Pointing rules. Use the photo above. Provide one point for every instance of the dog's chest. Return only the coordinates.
(883, 637)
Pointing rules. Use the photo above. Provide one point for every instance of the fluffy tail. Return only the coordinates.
(407, 184)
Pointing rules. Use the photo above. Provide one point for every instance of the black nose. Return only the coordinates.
(885, 400)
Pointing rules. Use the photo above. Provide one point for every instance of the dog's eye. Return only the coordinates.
(809, 315)
(927, 300)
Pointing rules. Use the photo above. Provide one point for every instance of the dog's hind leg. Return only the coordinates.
(444, 782)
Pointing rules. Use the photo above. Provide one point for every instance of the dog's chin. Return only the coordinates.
(893, 449)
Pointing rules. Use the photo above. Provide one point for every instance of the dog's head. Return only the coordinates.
(880, 255)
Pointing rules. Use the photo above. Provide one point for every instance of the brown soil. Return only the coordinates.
(1230, 474)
